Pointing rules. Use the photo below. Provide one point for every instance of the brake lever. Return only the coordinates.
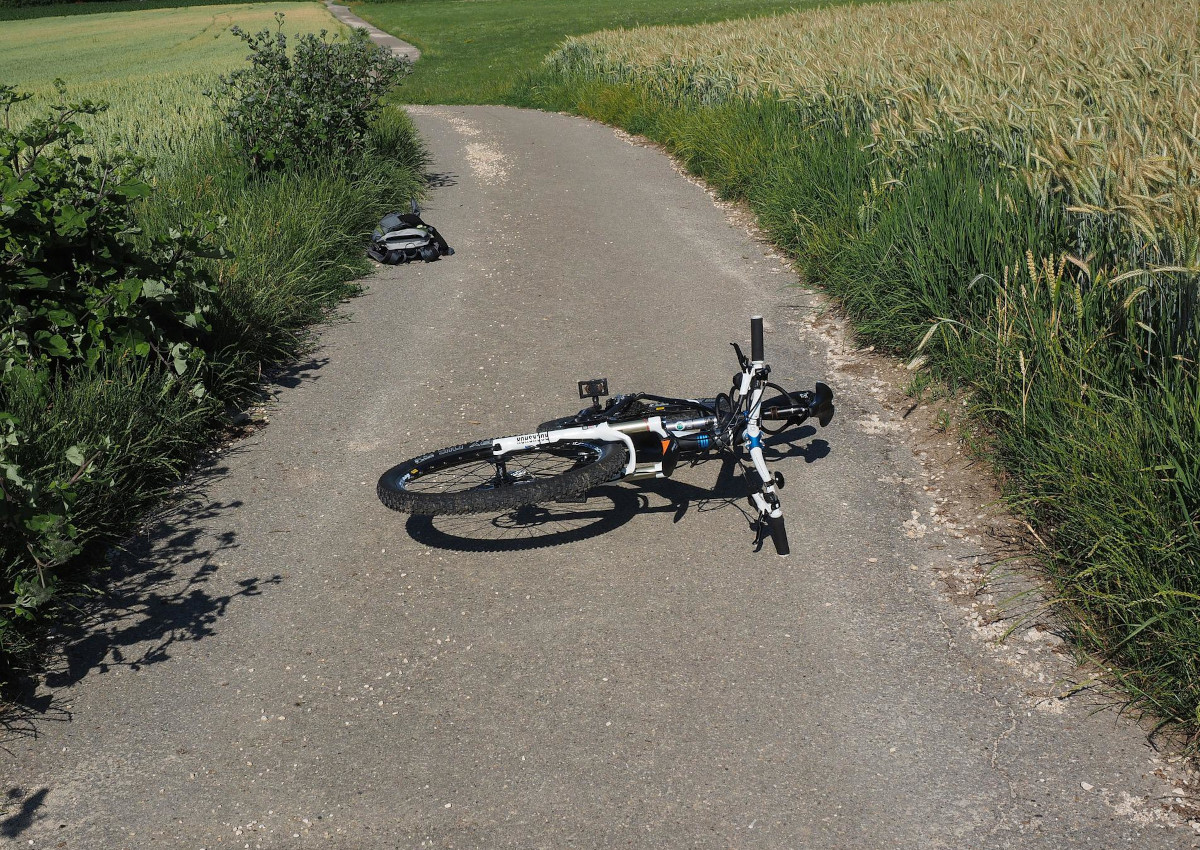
(743, 361)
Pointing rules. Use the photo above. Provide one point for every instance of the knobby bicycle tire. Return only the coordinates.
(588, 464)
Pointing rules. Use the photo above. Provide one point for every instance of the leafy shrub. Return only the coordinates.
(86, 450)
(318, 101)
(77, 278)
(80, 286)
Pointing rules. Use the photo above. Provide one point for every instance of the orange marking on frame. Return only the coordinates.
(666, 445)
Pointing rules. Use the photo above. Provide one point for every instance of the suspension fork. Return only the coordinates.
(766, 499)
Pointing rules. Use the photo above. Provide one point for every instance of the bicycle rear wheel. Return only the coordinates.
(469, 479)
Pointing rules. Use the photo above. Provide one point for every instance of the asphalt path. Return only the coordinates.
(386, 40)
(290, 664)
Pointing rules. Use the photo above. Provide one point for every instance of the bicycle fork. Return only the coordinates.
(766, 498)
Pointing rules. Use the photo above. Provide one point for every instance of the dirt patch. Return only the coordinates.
(489, 163)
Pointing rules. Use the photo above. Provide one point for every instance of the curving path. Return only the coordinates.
(294, 666)
(399, 48)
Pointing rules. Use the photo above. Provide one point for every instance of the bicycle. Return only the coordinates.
(632, 436)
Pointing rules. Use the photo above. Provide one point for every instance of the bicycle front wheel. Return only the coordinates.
(469, 479)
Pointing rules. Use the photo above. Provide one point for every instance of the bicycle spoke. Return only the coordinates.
(513, 470)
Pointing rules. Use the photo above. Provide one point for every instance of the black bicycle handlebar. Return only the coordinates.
(756, 338)
(778, 534)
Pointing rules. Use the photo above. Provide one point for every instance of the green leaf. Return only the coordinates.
(55, 345)
(153, 288)
(43, 522)
(13, 474)
(61, 318)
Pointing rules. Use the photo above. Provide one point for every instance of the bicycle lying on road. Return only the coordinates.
(632, 436)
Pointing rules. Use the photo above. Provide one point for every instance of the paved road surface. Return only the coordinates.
(399, 48)
(296, 666)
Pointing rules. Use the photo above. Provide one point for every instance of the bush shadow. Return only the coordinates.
(157, 591)
(14, 824)
(293, 374)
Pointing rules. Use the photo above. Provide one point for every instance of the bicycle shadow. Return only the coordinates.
(810, 452)
(606, 508)
(610, 506)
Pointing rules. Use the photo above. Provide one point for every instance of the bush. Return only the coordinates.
(77, 278)
(80, 286)
(91, 438)
(319, 101)
(84, 452)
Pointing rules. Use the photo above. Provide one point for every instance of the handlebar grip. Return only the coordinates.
(756, 338)
(778, 534)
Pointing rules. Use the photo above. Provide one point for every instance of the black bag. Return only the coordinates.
(404, 237)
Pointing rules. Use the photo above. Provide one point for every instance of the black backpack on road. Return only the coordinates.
(404, 237)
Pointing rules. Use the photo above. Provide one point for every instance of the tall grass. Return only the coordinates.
(297, 237)
(1099, 99)
(1096, 101)
(1036, 249)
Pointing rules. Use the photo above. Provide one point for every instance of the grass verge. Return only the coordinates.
(297, 237)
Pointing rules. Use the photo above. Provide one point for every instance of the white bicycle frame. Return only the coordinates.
(766, 499)
(607, 432)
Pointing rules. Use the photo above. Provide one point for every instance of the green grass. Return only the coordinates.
(151, 67)
(476, 51)
(10, 12)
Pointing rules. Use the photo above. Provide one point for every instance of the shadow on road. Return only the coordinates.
(160, 590)
(156, 596)
(294, 374)
(530, 526)
(441, 179)
(607, 507)
(787, 445)
(20, 820)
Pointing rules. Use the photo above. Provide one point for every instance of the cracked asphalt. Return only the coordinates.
(289, 664)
